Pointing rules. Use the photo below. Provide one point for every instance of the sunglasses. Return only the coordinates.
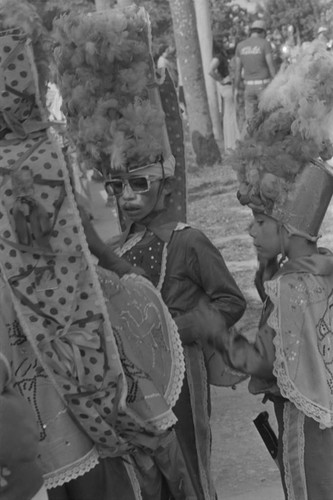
(138, 185)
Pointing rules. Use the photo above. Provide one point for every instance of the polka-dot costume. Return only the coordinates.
(15, 78)
(119, 383)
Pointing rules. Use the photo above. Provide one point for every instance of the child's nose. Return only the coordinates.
(127, 191)
(252, 229)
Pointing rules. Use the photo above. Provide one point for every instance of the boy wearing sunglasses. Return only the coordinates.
(196, 285)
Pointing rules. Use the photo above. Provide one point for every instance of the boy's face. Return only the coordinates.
(139, 201)
(265, 234)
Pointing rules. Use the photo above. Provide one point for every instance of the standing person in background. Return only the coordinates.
(254, 62)
(220, 71)
(167, 60)
(291, 48)
(323, 37)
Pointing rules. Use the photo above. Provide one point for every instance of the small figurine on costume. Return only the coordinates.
(97, 356)
(286, 181)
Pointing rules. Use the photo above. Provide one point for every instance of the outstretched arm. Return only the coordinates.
(238, 72)
(213, 69)
(252, 358)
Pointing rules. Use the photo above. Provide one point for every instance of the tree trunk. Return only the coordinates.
(188, 52)
(202, 10)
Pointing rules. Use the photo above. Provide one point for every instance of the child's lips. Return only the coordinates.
(131, 209)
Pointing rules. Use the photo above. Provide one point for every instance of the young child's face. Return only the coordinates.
(140, 196)
(265, 234)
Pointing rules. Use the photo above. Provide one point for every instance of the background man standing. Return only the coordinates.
(254, 57)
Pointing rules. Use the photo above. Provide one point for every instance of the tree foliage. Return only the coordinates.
(161, 23)
(304, 15)
(230, 21)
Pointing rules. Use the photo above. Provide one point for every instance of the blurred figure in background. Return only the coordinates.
(167, 59)
(220, 71)
(254, 63)
(291, 48)
(323, 37)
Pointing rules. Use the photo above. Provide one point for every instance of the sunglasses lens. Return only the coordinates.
(139, 184)
(114, 187)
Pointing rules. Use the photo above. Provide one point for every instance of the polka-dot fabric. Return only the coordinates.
(177, 209)
(16, 76)
(56, 300)
(148, 256)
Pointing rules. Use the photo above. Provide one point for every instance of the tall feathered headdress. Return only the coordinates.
(281, 163)
(105, 71)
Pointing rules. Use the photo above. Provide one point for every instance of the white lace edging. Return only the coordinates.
(72, 471)
(163, 267)
(180, 226)
(280, 368)
(293, 452)
(129, 244)
(133, 478)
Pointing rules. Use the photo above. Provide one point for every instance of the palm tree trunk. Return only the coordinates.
(202, 10)
(188, 52)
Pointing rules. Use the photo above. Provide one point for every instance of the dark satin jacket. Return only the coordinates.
(198, 287)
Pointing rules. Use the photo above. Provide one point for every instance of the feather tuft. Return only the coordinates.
(294, 125)
(104, 68)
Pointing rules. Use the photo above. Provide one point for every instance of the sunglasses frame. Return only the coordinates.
(127, 181)
(128, 177)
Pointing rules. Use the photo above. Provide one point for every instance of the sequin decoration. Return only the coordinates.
(147, 254)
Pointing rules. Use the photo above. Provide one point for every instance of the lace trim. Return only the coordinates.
(73, 471)
(293, 452)
(133, 478)
(129, 244)
(163, 267)
(195, 364)
(280, 368)
(176, 379)
(179, 227)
